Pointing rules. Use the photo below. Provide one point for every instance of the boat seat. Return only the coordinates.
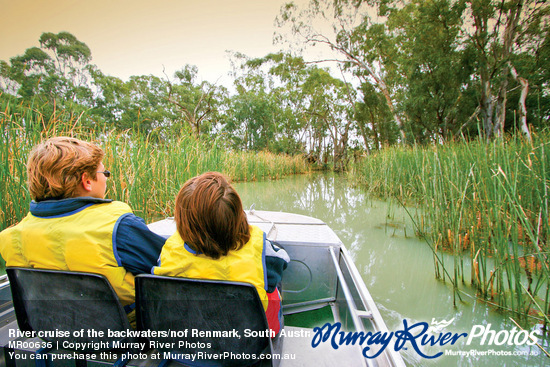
(203, 318)
(47, 301)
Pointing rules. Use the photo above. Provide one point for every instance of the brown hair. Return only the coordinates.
(55, 167)
(209, 215)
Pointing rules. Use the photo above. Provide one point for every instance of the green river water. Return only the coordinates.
(398, 270)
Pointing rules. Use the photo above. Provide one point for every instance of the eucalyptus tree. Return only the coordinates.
(139, 104)
(287, 74)
(528, 96)
(407, 51)
(253, 114)
(28, 75)
(340, 25)
(373, 120)
(111, 99)
(440, 65)
(452, 53)
(499, 30)
(7, 83)
(57, 70)
(70, 57)
(289, 71)
(254, 120)
(539, 102)
(331, 112)
(313, 107)
(195, 104)
(148, 107)
(434, 71)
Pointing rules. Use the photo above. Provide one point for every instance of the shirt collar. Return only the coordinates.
(48, 208)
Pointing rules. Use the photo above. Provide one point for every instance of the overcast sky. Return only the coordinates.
(139, 37)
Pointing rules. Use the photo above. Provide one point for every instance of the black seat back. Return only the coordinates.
(52, 300)
(203, 316)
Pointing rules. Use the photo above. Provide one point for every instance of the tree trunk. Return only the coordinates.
(495, 127)
(500, 106)
(364, 135)
(508, 42)
(522, 108)
(379, 80)
(375, 132)
(486, 107)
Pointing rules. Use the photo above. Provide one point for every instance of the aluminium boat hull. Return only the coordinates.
(321, 275)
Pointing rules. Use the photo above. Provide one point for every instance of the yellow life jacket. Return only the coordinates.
(244, 265)
(78, 241)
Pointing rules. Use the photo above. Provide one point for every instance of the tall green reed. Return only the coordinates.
(147, 172)
(485, 203)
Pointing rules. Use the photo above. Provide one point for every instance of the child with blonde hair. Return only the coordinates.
(71, 226)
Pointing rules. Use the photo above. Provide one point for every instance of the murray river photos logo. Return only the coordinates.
(418, 335)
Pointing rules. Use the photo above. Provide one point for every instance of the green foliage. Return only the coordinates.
(374, 120)
(443, 67)
(418, 72)
(194, 104)
(432, 69)
(252, 121)
(286, 105)
(67, 47)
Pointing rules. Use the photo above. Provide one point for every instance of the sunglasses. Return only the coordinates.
(106, 173)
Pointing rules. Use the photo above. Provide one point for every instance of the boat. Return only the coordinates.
(321, 288)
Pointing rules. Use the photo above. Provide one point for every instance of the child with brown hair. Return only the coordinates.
(214, 241)
(71, 226)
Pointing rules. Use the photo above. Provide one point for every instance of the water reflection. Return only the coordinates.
(396, 266)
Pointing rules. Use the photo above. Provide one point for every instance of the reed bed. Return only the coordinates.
(485, 203)
(147, 173)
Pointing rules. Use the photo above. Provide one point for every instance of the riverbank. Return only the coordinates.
(484, 203)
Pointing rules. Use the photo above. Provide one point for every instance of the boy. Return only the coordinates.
(70, 226)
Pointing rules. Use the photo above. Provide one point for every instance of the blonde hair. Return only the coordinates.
(55, 167)
(209, 215)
